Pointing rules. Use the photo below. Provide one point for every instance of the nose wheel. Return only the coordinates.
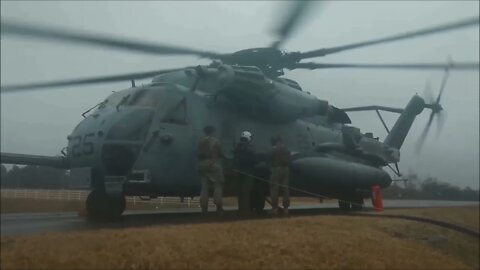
(101, 206)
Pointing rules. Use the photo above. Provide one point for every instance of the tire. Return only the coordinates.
(100, 206)
(357, 204)
(118, 205)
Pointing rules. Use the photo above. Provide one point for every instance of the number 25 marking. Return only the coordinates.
(87, 148)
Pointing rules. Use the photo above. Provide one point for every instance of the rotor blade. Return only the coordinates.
(104, 79)
(457, 66)
(412, 34)
(48, 33)
(444, 82)
(286, 27)
(441, 118)
(423, 136)
(427, 93)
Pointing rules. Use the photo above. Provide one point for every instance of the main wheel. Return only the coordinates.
(101, 206)
(118, 205)
(357, 203)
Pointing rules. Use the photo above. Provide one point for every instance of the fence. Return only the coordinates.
(81, 195)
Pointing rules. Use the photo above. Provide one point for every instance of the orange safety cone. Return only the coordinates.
(377, 200)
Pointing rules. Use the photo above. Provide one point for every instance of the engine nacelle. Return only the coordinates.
(262, 97)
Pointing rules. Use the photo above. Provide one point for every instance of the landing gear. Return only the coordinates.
(353, 203)
(357, 204)
(101, 206)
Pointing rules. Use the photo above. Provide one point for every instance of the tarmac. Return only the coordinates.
(37, 223)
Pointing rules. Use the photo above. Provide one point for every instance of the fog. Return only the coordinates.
(38, 122)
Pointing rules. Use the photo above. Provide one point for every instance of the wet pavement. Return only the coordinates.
(34, 223)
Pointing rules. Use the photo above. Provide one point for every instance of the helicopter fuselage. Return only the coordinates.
(152, 131)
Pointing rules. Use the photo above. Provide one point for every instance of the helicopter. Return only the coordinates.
(141, 141)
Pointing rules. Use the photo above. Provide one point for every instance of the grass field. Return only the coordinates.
(326, 242)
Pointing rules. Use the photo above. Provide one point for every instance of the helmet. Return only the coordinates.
(247, 135)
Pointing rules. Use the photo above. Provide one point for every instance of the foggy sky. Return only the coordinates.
(39, 122)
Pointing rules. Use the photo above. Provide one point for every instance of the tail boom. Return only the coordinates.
(402, 126)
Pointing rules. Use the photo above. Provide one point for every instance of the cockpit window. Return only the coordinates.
(145, 98)
(133, 126)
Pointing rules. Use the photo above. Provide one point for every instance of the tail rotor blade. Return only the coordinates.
(422, 138)
(441, 119)
(442, 87)
(427, 93)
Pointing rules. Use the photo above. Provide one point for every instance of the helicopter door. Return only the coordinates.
(227, 137)
(167, 150)
(176, 137)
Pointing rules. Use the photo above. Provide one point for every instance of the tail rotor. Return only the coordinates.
(436, 110)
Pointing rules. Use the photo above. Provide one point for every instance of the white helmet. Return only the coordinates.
(247, 135)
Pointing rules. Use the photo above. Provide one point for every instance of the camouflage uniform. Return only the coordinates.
(280, 176)
(211, 171)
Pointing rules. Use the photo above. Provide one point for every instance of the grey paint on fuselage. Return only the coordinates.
(168, 150)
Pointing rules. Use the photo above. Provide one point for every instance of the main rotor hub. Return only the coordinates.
(270, 60)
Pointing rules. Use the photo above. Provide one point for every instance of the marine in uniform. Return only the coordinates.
(210, 169)
(279, 174)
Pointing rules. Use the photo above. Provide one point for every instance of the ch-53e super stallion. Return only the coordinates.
(141, 141)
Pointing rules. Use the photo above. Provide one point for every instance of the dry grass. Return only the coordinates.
(466, 215)
(301, 242)
(451, 243)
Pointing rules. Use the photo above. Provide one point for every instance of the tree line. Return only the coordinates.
(430, 188)
(33, 177)
(412, 188)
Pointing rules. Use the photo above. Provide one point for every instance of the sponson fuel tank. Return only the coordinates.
(317, 173)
